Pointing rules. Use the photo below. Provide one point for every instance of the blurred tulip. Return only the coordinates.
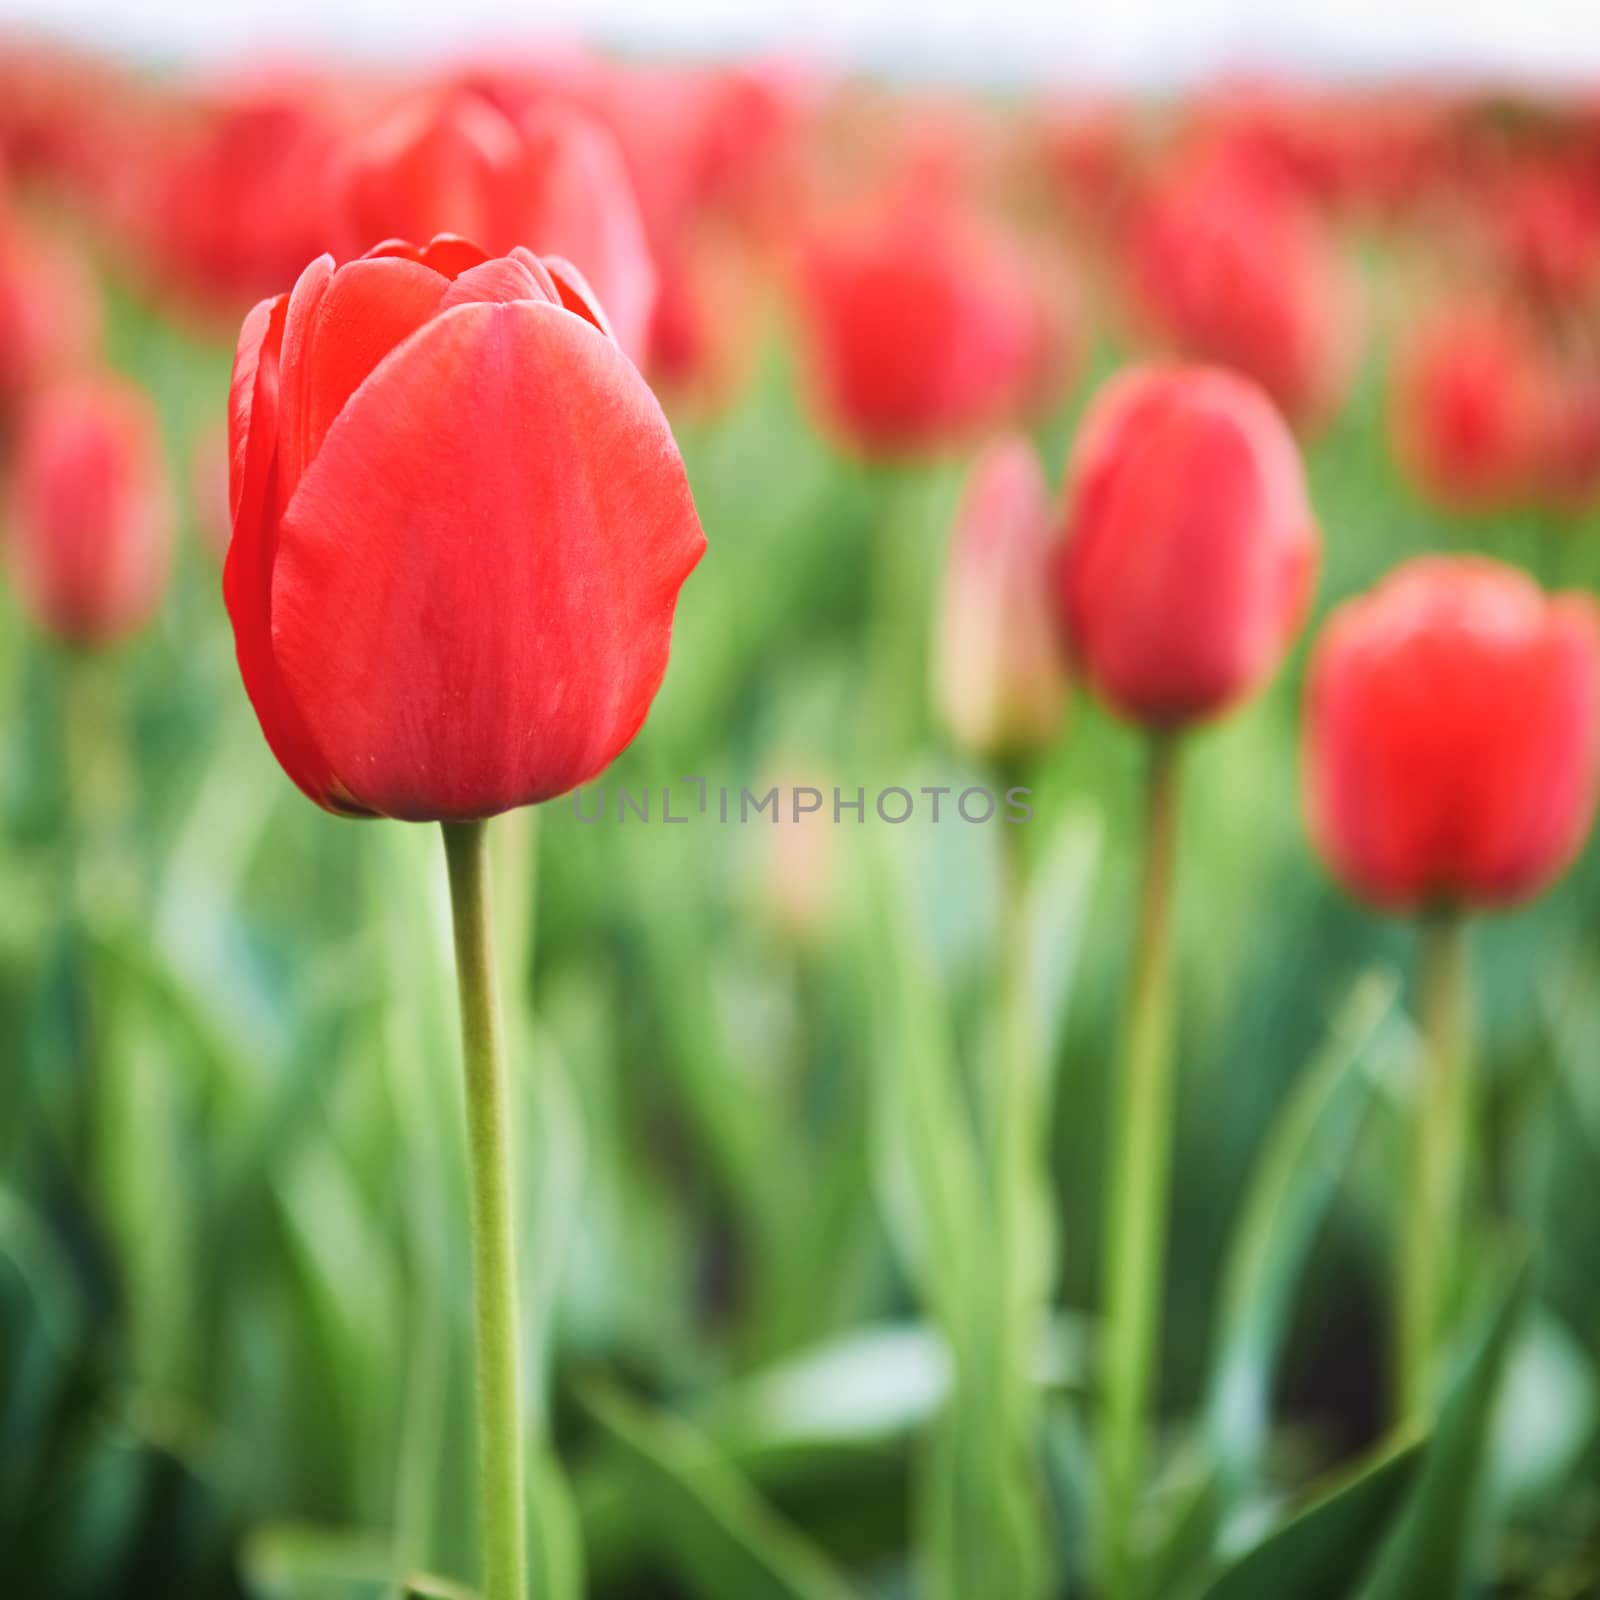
(553, 181)
(458, 599)
(49, 312)
(927, 328)
(1228, 265)
(1453, 736)
(1191, 550)
(1466, 407)
(1545, 221)
(1001, 679)
(90, 539)
(222, 199)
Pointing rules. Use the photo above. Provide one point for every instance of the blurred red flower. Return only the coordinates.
(927, 326)
(224, 186)
(460, 525)
(91, 510)
(552, 180)
(1468, 391)
(1226, 263)
(1453, 736)
(1190, 548)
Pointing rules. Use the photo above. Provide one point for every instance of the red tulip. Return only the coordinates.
(1467, 398)
(1191, 551)
(927, 327)
(553, 181)
(1453, 736)
(1230, 266)
(460, 525)
(1002, 682)
(91, 511)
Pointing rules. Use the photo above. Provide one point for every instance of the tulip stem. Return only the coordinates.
(1439, 1155)
(1141, 1155)
(494, 1255)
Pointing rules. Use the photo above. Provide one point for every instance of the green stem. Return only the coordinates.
(494, 1254)
(1438, 1158)
(1141, 1157)
(1021, 1187)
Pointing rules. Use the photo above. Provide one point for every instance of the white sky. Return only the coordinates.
(1117, 41)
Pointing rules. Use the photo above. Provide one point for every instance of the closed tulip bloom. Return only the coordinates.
(90, 538)
(926, 327)
(1228, 265)
(1453, 736)
(460, 525)
(1001, 677)
(1467, 407)
(1191, 550)
(553, 181)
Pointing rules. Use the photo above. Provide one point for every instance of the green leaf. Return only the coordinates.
(1319, 1553)
(1428, 1552)
(933, 1190)
(704, 1520)
(1294, 1182)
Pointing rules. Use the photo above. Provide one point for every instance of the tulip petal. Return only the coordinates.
(340, 334)
(260, 337)
(476, 578)
(446, 253)
(505, 279)
(576, 294)
(247, 573)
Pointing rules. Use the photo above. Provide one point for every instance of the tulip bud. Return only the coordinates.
(1190, 549)
(927, 327)
(460, 525)
(1001, 681)
(1453, 736)
(1466, 408)
(553, 181)
(1230, 266)
(91, 511)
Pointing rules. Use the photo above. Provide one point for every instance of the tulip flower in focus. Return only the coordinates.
(1229, 265)
(553, 181)
(91, 511)
(1466, 401)
(460, 599)
(1001, 678)
(926, 326)
(1190, 547)
(1453, 736)
(49, 312)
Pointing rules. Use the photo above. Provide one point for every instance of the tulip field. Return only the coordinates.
(765, 837)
